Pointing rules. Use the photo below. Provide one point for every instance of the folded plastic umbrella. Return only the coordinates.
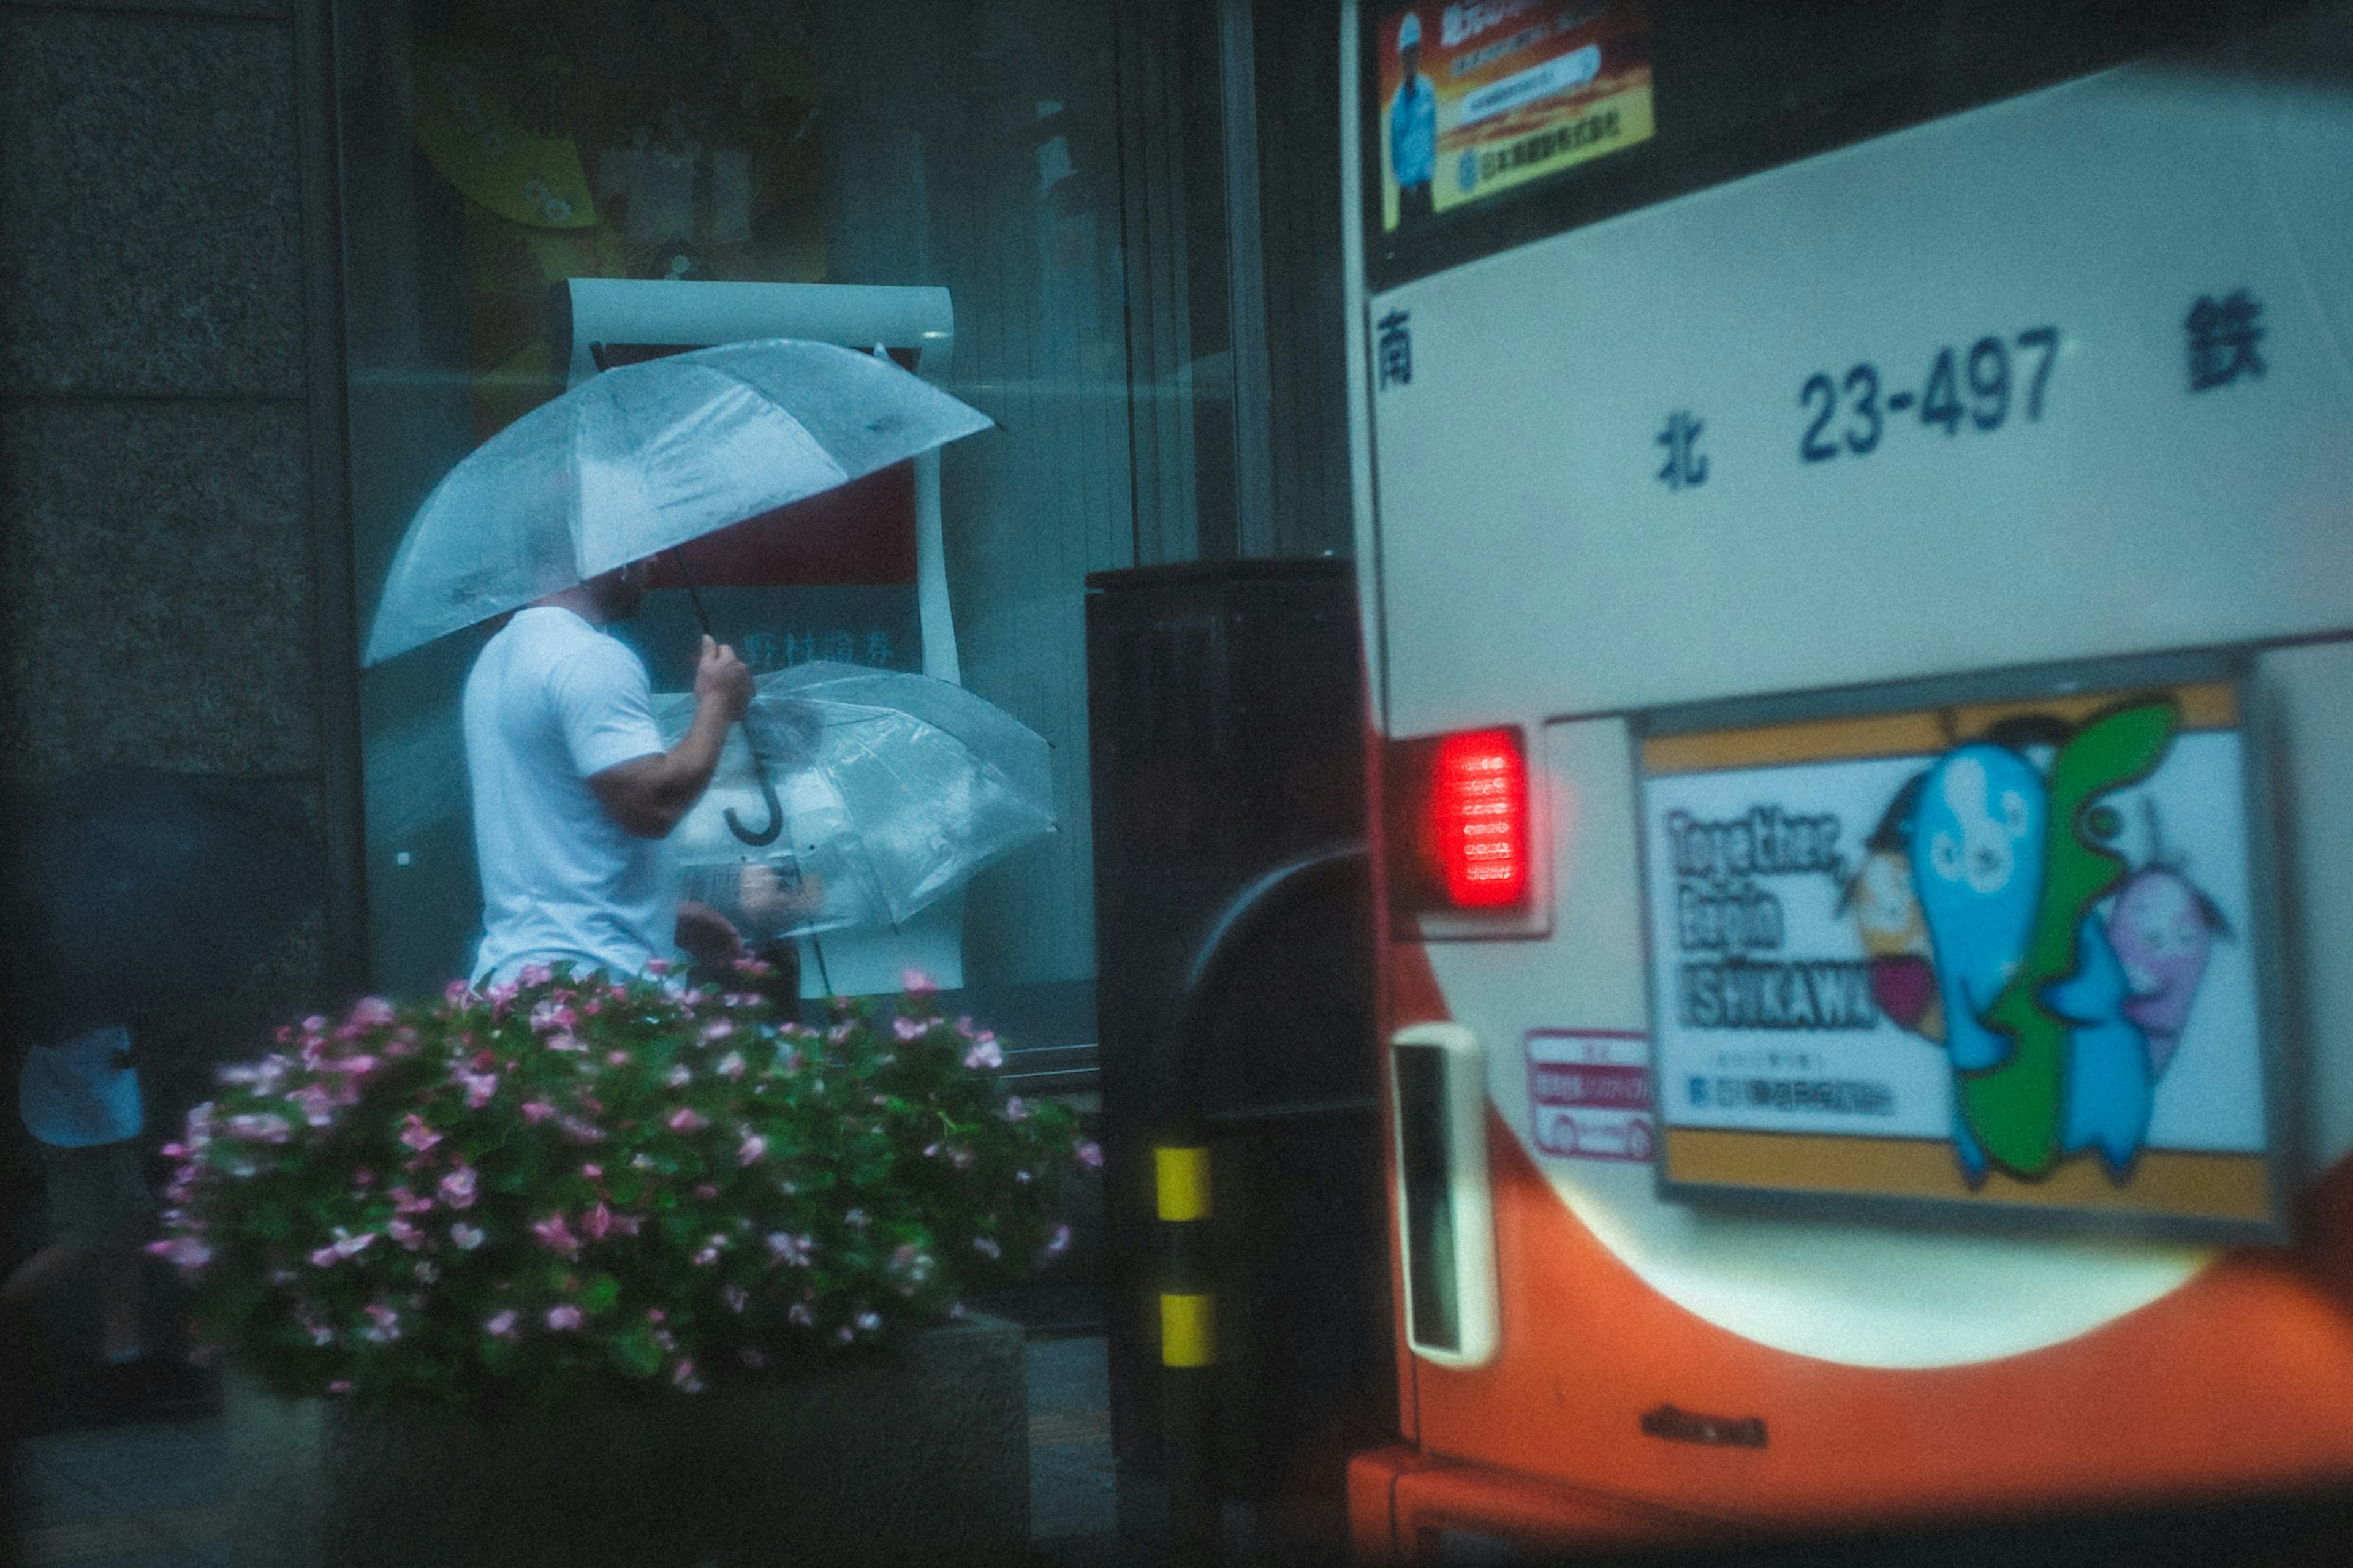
(645, 458)
(131, 891)
(895, 788)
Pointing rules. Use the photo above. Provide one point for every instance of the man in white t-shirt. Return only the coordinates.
(574, 791)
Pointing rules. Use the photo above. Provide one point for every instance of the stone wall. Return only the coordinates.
(170, 466)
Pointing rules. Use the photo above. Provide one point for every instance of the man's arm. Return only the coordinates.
(648, 795)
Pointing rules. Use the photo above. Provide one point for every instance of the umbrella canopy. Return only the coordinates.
(645, 458)
(134, 890)
(895, 788)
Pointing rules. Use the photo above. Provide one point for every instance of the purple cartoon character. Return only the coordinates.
(2163, 929)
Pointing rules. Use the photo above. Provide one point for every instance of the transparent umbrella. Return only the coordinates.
(645, 458)
(894, 789)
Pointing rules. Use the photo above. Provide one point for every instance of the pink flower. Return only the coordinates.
(732, 1066)
(466, 1237)
(457, 993)
(617, 1058)
(406, 1233)
(563, 1318)
(556, 1236)
(985, 1056)
(458, 1188)
(793, 1250)
(406, 1202)
(598, 1223)
(479, 1088)
(384, 1326)
(345, 1244)
(683, 1376)
(908, 1029)
(501, 1325)
(1088, 1153)
(551, 1017)
(580, 1131)
(182, 1251)
(1015, 1111)
(1060, 1242)
(987, 1247)
(404, 1042)
(800, 1314)
(535, 1112)
(656, 1315)
(264, 1127)
(718, 1029)
(416, 1134)
(735, 1296)
(566, 1043)
(705, 1191)
(916, 983)
(753, 1149)
(594, 1173)
(371, 1012)
(678, 1075)
(686, 1119)
(340, 1385)
(318, 1107)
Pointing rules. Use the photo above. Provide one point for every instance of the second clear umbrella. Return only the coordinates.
(895, 788)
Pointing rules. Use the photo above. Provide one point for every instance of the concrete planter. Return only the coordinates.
(920, 1455)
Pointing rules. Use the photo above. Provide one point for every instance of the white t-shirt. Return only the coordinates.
(82, 1092)
(552, 700)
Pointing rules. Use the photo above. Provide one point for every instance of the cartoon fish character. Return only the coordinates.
(2108, 1086)
(2163, 930)
(2015, 1109)
(1978, 844)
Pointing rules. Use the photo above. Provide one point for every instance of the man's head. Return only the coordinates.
(618, 593)
(1409, 46)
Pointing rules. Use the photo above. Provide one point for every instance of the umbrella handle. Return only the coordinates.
(768, 835)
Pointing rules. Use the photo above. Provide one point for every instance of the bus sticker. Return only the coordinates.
(1996, 955)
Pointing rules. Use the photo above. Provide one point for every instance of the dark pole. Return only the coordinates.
(1183, 1198)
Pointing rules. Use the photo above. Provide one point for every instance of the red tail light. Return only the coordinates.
(1458, 822)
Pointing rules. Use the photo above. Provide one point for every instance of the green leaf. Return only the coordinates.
(636, 1353)
(603, 1291)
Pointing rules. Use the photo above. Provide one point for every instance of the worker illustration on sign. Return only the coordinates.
(1413, 126)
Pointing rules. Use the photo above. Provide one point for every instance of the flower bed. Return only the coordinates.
(577, 1185)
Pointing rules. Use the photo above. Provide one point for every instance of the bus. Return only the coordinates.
(1854, 516)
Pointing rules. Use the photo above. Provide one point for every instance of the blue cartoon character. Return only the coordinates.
(1978, 842)
(2108, 1086)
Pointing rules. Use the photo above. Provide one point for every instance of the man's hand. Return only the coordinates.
(723, 679)
(707, 936)
(648, 795)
